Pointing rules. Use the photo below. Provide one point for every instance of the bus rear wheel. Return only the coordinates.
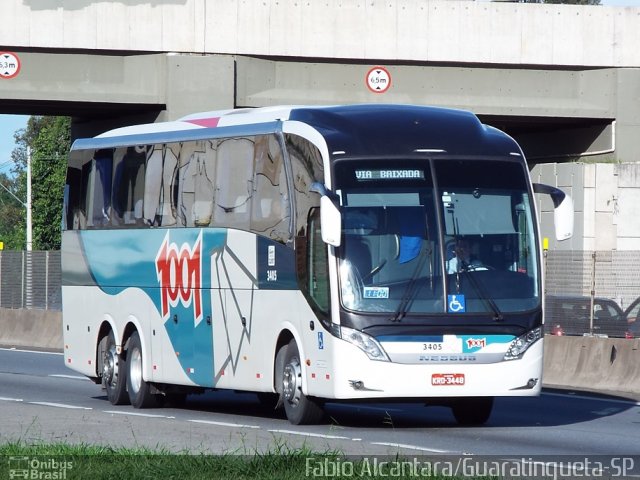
(114, 373)
(300, 409)
(139, 390)
(472, 410)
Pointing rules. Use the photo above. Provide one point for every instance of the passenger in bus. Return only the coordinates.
(463, 259)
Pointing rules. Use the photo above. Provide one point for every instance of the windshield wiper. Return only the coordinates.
(410, 291)
(497, 314)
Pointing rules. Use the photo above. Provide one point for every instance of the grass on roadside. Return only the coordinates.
(69, 462)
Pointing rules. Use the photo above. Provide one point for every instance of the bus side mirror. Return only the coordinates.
(330, 221)
(330, 216)
(562, 210)
(563, 219)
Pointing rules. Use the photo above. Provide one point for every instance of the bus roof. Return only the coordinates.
(352, 130)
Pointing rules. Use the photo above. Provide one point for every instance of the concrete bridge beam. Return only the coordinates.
(106, 91)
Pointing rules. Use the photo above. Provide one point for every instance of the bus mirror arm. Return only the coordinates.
(562, 210)
(320, 188)
(330, 216)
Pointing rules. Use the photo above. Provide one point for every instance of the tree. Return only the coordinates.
(48, 171)
(12, 213)
(49, 139)
(13, 197)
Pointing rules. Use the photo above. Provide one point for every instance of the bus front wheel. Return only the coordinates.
(139, 390)
(299, 408)
(472, 410)
(114, 373)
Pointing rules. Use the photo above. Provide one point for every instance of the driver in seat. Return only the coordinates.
(463, 260)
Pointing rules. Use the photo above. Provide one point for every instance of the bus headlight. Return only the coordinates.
(522, 344)
(364, 342)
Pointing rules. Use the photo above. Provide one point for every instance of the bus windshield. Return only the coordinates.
(463, 243)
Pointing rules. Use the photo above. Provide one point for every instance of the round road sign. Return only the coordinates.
(9, 65)
(378, 79)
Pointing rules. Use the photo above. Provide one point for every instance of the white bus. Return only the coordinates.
(305, 254)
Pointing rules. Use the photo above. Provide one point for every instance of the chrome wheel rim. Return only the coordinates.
(110, 367)
(291, 377)
(135, 370)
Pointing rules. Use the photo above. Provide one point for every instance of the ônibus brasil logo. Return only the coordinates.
(179, 274)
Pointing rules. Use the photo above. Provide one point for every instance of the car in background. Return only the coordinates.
(632, 317)
(570, 315)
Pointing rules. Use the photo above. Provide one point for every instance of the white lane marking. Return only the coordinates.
(136, 414)
(308, 434)
(224, 424)
(72, 377)
(412, 447)
(7, 399)
(587, 397)
(61, 405)
(30, 351)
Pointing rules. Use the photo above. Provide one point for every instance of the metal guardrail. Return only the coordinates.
(587, 291)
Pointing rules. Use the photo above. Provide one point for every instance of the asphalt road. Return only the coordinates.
(42, 401)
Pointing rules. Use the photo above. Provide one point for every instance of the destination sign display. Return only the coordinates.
(397, 174)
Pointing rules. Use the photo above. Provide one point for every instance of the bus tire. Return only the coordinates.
(114, 373)
(472, 410)
(140, 394)
(300, 409)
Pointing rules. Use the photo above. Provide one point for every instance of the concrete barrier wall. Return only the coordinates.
(584, 363)
(31, 328)
(589, 363)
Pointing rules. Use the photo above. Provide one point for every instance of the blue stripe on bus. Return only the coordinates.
(155, 138)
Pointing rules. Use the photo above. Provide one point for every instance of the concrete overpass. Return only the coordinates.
(564, 80)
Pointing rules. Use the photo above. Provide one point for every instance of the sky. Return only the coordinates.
(8, 126)
(10, 123)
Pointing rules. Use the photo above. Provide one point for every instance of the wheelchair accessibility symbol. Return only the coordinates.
(456, 303)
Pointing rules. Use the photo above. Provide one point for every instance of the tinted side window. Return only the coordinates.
(161, 182)
(128, 185)
(89, 181)
(234, 177)
(313, 266)
(306, 167)
(270, 212)
(232, 182)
